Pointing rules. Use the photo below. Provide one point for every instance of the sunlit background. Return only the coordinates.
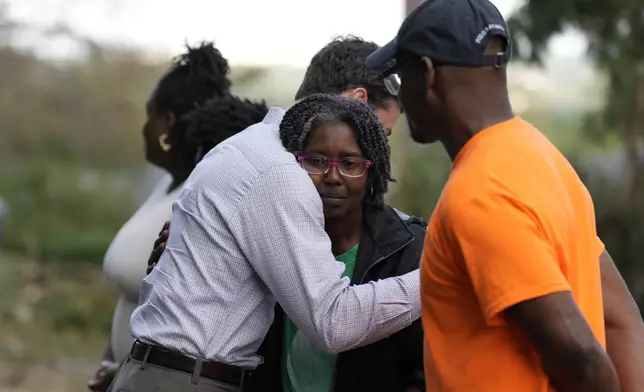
(74, 78)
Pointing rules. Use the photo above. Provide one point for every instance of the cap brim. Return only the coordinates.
(383, 55)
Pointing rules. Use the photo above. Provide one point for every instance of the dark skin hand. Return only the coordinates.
(571, 356)
(624, 327)
(106, 372)
(159, 247)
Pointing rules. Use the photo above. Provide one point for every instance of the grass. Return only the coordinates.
(54, 322)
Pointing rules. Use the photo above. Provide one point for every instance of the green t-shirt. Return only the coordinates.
(305, 368)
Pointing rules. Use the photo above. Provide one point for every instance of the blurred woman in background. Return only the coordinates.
(172, 143)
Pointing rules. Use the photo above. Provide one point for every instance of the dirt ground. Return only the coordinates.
(53, 377)
(54, 322)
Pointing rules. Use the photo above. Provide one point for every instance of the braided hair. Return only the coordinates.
(220, 118)
(317, 109)
(194, 77)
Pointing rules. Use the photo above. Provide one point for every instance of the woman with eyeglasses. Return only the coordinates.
(343, 147)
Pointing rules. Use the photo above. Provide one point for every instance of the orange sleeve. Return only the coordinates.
(505, 253)
(600, 246)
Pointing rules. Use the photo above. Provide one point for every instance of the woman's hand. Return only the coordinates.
(159, 247)
(103, 377)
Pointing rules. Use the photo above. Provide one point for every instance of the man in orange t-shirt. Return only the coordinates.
(517, 289)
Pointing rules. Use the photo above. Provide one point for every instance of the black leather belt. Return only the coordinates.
(216, 371)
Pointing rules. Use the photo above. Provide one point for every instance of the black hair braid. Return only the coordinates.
(207, 69)
(194, 77)
(317, 109)
(220, 118)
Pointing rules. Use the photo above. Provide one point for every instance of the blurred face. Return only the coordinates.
(388, 116)
(332, 151)
(423, 109)
(156, 125)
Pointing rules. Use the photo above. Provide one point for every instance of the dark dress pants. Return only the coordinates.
(135, 376)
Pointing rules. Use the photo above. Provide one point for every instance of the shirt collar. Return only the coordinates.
(274, 116)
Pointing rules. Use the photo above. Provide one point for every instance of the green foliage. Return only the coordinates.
(420, 173)
(70, 138)
(87, 112)
(614, 29)
(611, 26)
(63, 212)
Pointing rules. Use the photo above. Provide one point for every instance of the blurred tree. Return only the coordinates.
(69, 141)
(71, 149)
(613, 29)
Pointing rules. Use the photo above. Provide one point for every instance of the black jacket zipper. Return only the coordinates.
(361, 281)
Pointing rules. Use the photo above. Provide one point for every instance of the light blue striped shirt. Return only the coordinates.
(248, 230)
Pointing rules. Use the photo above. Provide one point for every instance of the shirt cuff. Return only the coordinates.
(411, 280)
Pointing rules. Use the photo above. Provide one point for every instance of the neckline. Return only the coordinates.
(477, 136)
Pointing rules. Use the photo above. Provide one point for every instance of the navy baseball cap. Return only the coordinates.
(449, 32)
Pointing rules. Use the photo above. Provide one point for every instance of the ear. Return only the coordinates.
(430, 73)
(168, 121)
(170, 118)
(359, 93)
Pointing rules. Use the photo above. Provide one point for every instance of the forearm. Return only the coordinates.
(337, 317)
(626, 350)
(293, 258)
(571, 356)
(624, 327)
(588, 371)
(364, 314)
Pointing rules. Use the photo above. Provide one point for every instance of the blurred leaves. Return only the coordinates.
(61, 211)
(613, 29)
(71, 149)
(69, 138)
(81, 112)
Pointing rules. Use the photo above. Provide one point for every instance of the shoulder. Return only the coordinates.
(160, 187)
(416, 225)
(494, 183)
(413, 251)
(250, 162)
(284, 180)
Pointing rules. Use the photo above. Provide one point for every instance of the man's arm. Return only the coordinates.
(624, 327)
(571, 356)
(517, 278)
(280, 228)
